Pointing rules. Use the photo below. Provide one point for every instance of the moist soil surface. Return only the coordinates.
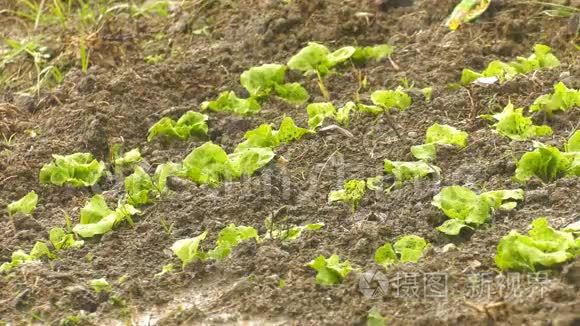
(121, 96)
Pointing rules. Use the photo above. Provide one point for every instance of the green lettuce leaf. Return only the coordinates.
(330, 270)
(77, 170)
(229, 102)
(260, 81)
(62, 240)
(438, 134)
(288, 131)
(408, 249)
(25, 205)
(100, 285)
(388, 99)
(229, 238)
(406, 171)
(293, 93)
(138, 187)
(189, 124)
(187, 250)
(376, 52)
(545, 162)
(543, 247)
(511, 123)
(352, 192)
(248, 160)
(562, 99)
(288, 232)
(209, 164)
(317, 112)
(129, 158)
(96, 217)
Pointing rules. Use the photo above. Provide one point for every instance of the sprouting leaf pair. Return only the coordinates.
(466, 209)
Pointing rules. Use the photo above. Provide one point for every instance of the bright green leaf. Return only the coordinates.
(352, 192)
(330, 270)
(317, 112)
(78, 170)
(25, 205)
(229, 102)
(188, 249)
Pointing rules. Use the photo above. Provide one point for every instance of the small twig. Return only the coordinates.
(325, 163)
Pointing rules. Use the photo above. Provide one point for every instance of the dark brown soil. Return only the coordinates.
(121, 96)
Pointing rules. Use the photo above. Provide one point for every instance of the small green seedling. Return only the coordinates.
(409, 248)
(438, 134)
(352, 192)
(100, 285)
(229, 102)
(128, 159)
(543, 247)
(317, 112)
(62, 240)
(374, 318)
(407, 171)
(330, 270)
(466, 209)
(511, 123)
(548, 163)
(287, 232)
(229, 238)
(541, 58)
(264, 136)
(562, 99)
(187, 250)
(97, 218)
(77, 170)
(25, 205)
(261, 81)
(190, 124)
(19, 257)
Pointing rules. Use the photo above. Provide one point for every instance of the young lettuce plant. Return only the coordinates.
(548, 163)
(439, 134)
(128, 159)
(352, 192)
(541, 58)
(99, 285)
(466, 209)
(389, 99)
(62, 240)
(375, 52)
(140, 187)
(261, 81)
(407, 171)
(25, 205)
(562, 99)
(229, 238)
(97, 218)
(511, 123)
(77, 170)
(228, 101)
(187, 250)
(409, 248)
(189, 124)
(264, 136)
(543, 247)
(210, 164)
(330, 270)
(287, 232)
(317, 59)
(19, 257)
(317, 112)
